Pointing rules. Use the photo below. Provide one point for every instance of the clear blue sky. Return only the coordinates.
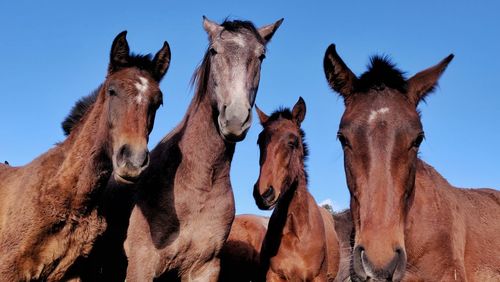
(54, 52)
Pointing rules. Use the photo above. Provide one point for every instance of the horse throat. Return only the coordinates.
(202, 143)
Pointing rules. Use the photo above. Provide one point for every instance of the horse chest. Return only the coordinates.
(60, 249)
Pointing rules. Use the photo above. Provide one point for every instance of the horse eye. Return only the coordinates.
(418, 140)
(294, 143)
(343, 140)
(111, 91)
(262, 57)
(213, 51)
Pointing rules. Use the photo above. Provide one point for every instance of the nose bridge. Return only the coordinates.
(381, 209)
(265, 176)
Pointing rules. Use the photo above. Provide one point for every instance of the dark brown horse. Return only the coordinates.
(240, 256)
(410, 223)
(296, 246)
(48, 211)
(185, 203)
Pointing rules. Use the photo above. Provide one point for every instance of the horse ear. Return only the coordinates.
(299, 111)
(263, 118)
(267, 32)
(424, 82)
(338, 75)
(161, 62)
(119, 52)
(212, 28)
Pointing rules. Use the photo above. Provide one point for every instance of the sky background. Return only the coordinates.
(54, 52)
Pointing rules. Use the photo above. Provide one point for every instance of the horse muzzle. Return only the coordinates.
(129, 164)
(234, 122)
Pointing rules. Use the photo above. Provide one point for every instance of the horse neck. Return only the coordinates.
(199, 141)
(299, 211)
(292, 213)
(429, 186)
(431, 199)
(86, 166)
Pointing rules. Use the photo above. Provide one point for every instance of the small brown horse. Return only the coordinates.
(300, 243)
(410, 223)
(48, 212)
(240, 256)
(185, 203)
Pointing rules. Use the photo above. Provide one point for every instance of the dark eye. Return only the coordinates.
(294, 142)
(212, 51)
(262, 57)
(111, 91)
(416, 143)
(343, 140)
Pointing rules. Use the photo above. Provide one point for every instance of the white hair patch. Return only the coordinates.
(142, 86)
(375, 113)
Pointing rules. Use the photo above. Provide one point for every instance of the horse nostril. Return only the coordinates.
(398, 265)
(249, 114)
(358, 262)
(268, 194)
(146, 159)
(123, 155)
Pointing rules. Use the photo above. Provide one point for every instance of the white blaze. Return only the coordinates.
(375, 113)
(142, 87)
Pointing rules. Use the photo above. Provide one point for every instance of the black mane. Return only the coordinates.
(381, 73)
(81, 107)
(200, 75)
(237, 26)
(79, 110)
(142, 62)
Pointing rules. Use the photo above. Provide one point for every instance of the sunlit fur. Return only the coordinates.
(185, 205)
(410, 223)
(301, 243)
(49, 208)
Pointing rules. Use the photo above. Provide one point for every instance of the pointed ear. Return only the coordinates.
(263, 118)
(267, 32)
(338, 75)
(299, 111)
(212, 28)
(119, 56)
(425, 81)
(161, 62)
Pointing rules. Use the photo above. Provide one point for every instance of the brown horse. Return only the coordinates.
(48, 212)
(410, 223)
(240, 255)
(185, 204)
(296, 247)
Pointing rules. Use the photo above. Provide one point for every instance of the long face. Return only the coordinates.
(281, 157)
(132, 96)
(380, 133)
(235, 61)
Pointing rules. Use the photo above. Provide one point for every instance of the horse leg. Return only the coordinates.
(208, 272)
(273, 277)
(140, 264)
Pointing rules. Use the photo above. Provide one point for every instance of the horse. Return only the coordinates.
(185, 204)
(48, 212)
(296, 246)
(240, 255)
(410, 223)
